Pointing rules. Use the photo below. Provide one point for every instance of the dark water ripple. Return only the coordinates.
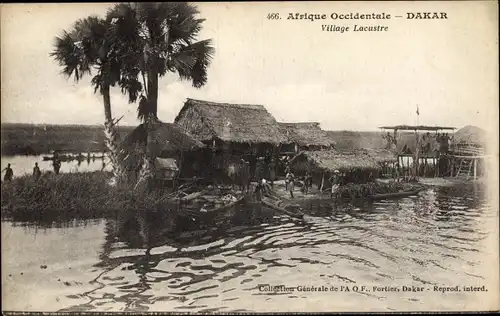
(433, 239)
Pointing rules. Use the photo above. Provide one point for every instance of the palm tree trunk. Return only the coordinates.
(111, 136)
(106, 98)
(147, 173)
(153, 91)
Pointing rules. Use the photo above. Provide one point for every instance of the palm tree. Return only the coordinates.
(155, 39)
(86, 47)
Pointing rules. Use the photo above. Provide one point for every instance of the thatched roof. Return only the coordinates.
(243, 123)
(470, 135)
(330, 160)
(381, 155)
(306, 134)
(167, 137)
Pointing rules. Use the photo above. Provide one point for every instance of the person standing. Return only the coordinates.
(290, 182)
(335, 181)
(287, 171)
(9, 173)
(259, 166)
(36, 172)
(57, 165)
(244, 175)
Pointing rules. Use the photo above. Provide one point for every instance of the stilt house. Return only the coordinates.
(232, 131)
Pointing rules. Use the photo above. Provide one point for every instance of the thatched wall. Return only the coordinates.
(240, 123)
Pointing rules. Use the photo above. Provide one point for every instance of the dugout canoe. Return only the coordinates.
(199, 215)
(274, 206)
(394, 195)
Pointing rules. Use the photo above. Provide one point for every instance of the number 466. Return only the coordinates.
(273, 16)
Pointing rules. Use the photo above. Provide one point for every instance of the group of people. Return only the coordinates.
(264, 187)
(243, 173)
(37, 173)
(290, 181)
(9, 173)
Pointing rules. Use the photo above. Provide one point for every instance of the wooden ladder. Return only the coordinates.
(464, 169)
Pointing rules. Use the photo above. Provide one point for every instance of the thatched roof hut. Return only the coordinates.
(167, 137)
(331, 160)
(168, 140)
(239, 123)
(306, 134)
(471, 135)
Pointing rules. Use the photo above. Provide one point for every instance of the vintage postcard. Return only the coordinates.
(250, 157)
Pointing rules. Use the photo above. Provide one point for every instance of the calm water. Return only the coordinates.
(23, 165)
(131, 262)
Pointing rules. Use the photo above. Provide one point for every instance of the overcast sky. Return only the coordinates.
(349, 81)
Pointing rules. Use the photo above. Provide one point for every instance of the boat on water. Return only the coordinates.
(290, 210)
(216, 206)
(200, 212)
(209, 206)
(394, 195)
(71, 157)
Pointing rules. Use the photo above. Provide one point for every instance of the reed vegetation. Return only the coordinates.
(77, 195)
(363, 190)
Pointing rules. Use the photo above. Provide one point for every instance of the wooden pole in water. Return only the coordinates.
(475, 168)
(322, 181)
(417, 158)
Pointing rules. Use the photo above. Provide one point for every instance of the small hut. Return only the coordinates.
(358, 166)
(304, 136)
(167, 141)
(232, 131)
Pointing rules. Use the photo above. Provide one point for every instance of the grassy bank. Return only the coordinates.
(78, 195)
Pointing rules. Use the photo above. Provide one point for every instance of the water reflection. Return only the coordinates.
(147, 263)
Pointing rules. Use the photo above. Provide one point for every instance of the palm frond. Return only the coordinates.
(184, 26)
(69, 55)
(191, 62)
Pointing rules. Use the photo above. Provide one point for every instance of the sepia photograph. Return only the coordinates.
(249, 157)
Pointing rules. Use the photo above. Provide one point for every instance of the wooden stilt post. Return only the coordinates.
(426, 168)
(322, 181)
(452, 167)
(434, 162)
